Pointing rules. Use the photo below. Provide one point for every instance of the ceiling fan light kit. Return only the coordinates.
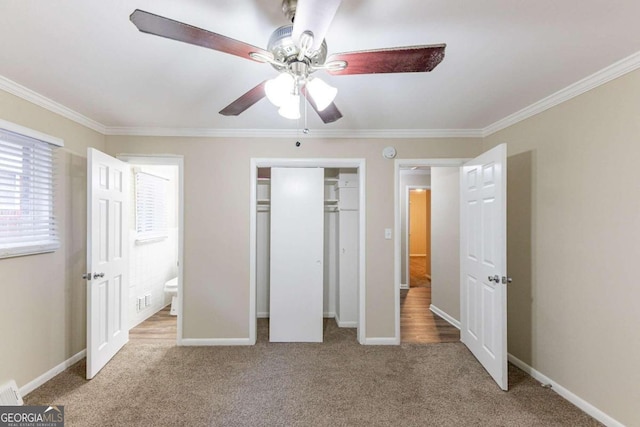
(279, 89)
(291, 108)
(321, 92)
(296, 51)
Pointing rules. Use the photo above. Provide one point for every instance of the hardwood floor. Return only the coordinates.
(160, 327)
(418, 324)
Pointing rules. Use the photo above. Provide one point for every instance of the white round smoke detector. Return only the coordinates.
(389, 152)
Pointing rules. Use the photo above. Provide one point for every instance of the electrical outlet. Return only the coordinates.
(147, 300)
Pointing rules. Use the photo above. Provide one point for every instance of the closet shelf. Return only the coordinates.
(326, 202)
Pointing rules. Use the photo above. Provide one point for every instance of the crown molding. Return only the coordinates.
(295, 133)
(620, 68)
(29, 95)
(615, 70)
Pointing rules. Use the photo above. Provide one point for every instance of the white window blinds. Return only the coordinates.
(27, 223)
(151, 210)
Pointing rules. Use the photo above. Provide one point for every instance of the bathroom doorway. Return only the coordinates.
(155, 248)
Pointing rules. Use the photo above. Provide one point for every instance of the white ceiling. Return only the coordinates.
(502, 56)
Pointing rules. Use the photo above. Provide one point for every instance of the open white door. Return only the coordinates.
(107, 258)
(483, 261)
(297, 251)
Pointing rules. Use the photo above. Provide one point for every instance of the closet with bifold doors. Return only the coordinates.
(307, 226)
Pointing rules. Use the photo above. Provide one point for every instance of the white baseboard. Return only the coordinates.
(347, 324)
(194, 342)
(32, 385)
(568, 395)
(382, 341)
(445, 316)
(326, 314)
(404, 286)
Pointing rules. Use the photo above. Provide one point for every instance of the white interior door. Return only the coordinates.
(297, 233)
(483, 261)
(107, 258)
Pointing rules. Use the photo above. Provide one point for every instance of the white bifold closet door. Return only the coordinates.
(297, 250)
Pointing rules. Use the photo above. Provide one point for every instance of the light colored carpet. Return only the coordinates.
(336, 383)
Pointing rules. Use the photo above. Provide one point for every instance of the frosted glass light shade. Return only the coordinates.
(291, 108)
(321, 92)
(278, 90)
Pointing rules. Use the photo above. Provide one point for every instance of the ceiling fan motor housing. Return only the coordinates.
(285, 50)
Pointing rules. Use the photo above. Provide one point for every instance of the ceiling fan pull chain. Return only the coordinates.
(306, 128)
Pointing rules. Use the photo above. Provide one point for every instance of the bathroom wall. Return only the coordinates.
(154, 262)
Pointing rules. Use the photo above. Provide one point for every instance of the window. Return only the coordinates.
(27, 223)
(151, 211)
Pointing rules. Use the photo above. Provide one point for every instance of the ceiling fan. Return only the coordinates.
(296, 51)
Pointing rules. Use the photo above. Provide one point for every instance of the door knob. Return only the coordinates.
(495, 278)
(86, 276)
(96, 275)
(506, 280)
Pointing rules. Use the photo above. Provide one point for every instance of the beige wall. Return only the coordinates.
(445, 239)
(573, 241)
(216, 216)
(43, 297)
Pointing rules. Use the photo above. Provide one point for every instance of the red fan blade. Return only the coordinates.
(410, 59)
(314, 16)
(329, 114)
(245, 101)
(165, 27)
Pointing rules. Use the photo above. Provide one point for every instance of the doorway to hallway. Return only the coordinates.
(419, 237)
(418, 324)
(421, 244)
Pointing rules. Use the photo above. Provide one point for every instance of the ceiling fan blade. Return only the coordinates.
(314, 16)
(165, 27)
(409, 59)
(245, 101)
(329, 115)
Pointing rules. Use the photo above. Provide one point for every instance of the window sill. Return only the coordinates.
(28, 250)
(150, 239)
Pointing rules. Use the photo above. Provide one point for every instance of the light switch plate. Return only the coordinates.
(387, 233)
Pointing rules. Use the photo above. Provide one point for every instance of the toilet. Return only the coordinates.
(171, 289)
